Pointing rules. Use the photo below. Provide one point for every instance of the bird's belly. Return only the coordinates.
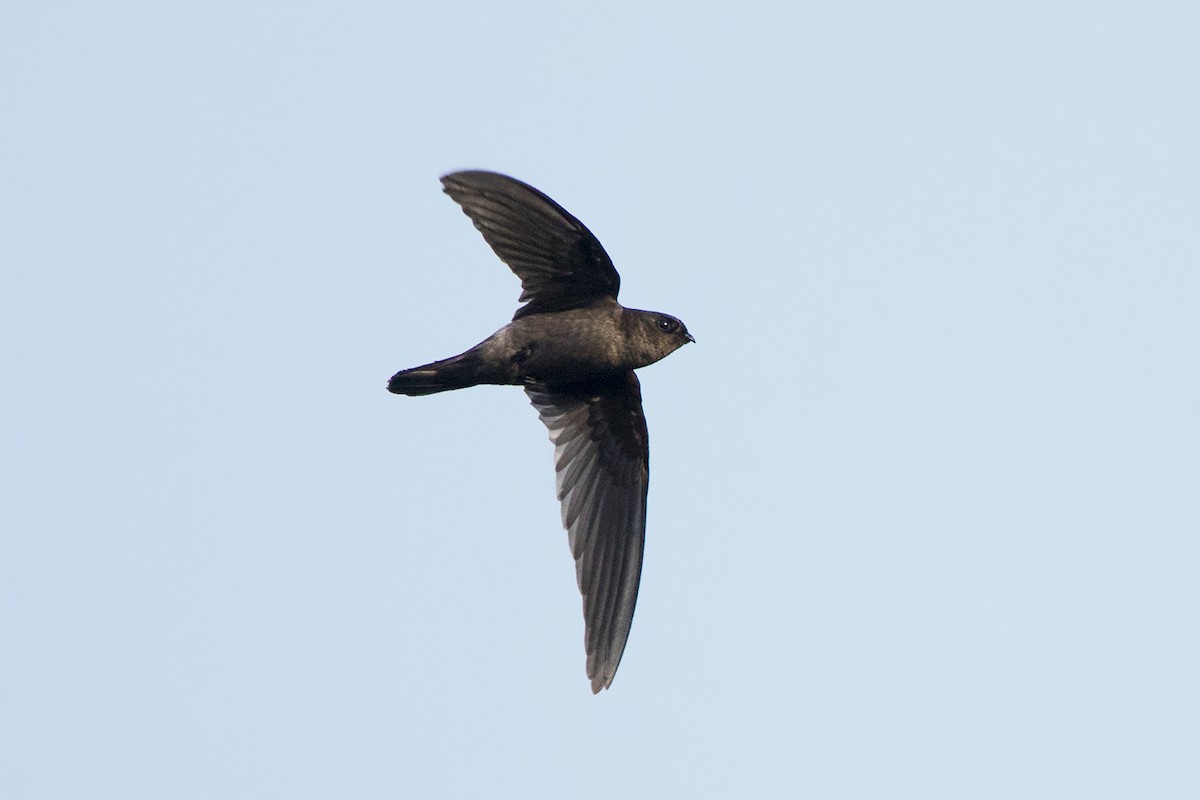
(551, 360)
(565, 346)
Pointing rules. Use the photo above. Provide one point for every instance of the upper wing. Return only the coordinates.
(602, 457)
(560, 263)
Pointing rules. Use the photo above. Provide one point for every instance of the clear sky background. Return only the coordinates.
(925, 495)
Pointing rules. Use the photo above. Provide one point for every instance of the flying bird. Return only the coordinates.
(574, 349)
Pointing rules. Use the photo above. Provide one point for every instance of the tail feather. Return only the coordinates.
(439, 376)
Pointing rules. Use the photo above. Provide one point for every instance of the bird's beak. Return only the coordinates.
(691, 338)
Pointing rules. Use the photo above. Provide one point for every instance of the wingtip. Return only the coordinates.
(601, 675)
(461, 176)
(450, 179)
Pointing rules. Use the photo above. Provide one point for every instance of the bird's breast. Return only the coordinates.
(567, 345)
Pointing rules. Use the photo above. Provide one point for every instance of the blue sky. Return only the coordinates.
(925, 494)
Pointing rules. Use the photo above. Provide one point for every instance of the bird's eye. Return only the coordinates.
(667, 325)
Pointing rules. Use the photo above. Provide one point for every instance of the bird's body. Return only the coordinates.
(555, 347)
(574, 348)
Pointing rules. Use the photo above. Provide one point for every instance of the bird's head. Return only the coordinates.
(657, 336)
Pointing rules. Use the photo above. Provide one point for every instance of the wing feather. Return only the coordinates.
(560, 263)
(602, 459)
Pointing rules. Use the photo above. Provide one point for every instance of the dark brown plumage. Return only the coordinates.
(574, 348)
